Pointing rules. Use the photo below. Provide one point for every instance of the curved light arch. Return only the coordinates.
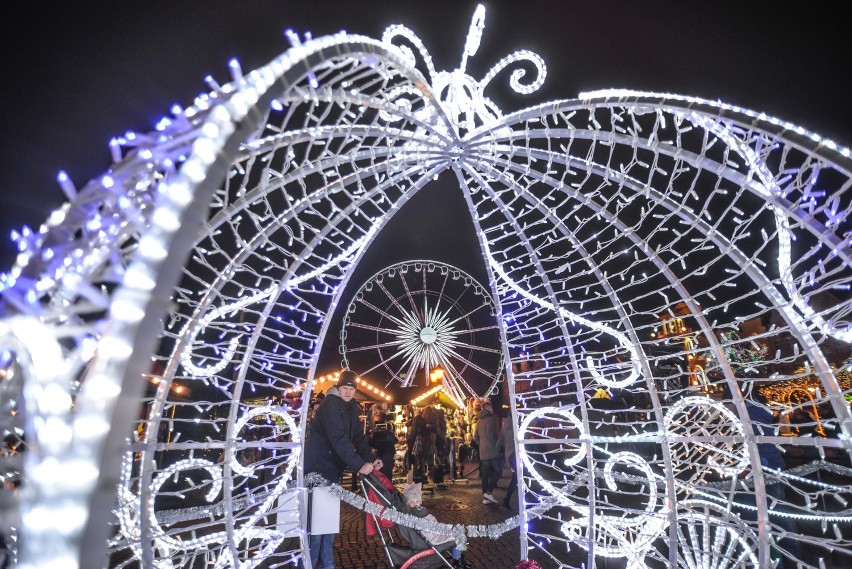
(187, 171)
(841, 250)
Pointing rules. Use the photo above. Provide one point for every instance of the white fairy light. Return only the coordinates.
(462, 96)
(590, 363)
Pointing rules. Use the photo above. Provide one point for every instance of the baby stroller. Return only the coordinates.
(420, 554)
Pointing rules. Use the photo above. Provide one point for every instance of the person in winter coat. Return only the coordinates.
(419, 443)
(336, 440)
(436, 427)
(506, 444)
(490, 463)
(384, 441)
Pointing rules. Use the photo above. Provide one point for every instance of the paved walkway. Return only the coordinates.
(460, 502)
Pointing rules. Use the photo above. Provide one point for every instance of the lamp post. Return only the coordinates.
(437, 374)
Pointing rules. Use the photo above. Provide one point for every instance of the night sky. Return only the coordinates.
(77, 74)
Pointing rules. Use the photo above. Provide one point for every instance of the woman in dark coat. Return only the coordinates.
(384, 441)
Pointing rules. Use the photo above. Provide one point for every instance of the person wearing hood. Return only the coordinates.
(490, 464)
(334, 441)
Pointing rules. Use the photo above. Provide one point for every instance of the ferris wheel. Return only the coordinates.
(416, 317)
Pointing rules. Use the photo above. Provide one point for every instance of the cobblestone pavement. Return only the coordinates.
(460, 502)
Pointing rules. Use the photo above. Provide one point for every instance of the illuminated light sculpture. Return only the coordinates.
(221, 243)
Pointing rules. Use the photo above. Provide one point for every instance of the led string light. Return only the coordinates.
(191, 331)
(771, 189)
(549, 130)
(461, 95)
(621, 338)
(631, 536)
(458, 532)
(320, 270)
(271, 539)
(362, 384)
(426, 395)
(651, 525)
(247, 530)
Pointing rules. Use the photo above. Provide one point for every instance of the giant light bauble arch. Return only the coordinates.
(220, 244)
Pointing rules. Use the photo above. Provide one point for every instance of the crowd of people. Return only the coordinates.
(432, 443)
(435, 442)
(411, 445)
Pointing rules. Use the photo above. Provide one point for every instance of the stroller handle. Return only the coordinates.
(376, 477)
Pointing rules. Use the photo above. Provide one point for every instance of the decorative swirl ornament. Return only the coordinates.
(172, 543)
(710, 434)
(461, 96)
(613, 381)
(622, 534)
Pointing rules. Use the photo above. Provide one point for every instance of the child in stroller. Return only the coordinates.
(424, 548)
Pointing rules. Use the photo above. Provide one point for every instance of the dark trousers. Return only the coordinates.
(513, 483)
(490, 470)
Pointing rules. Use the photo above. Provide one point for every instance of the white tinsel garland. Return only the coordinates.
(457, 532)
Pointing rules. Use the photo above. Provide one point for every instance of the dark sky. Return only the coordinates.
(76, 74)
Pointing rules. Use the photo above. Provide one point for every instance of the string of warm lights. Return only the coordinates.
(318, 384)
(432, 392)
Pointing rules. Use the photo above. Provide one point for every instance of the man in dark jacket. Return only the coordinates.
(336, 440)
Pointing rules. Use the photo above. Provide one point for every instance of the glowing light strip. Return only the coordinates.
(130, 527)
(621, 338)
(192, 329)
(741, 459)
(648, 526)
(768, 186)
(435, 390)
(362, 384)
(619, 93)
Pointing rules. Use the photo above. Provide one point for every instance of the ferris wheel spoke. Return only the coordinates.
(468, 314)
(414, 309)
(441, 348)
(411, 363)
(439, 320)
(383, 362)
(394, 300)
(456, 344)
(444, 285)
(383, 313)
(413, 355)
(362, 326)
(480, 329)
(376, 346)
(453, 389)
(470, 364)
(455, 376)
